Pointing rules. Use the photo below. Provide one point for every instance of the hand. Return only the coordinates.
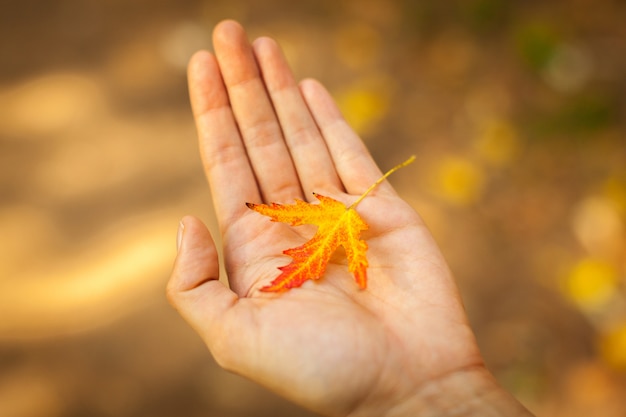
(400, 346)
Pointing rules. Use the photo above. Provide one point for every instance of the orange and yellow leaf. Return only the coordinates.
(338, 225)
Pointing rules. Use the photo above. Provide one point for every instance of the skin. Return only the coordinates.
(402, 346)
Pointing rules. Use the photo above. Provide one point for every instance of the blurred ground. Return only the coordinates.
(516, 111)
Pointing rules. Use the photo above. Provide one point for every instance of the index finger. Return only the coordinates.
(223, 153)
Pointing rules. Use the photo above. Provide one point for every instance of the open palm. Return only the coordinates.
(326, 345)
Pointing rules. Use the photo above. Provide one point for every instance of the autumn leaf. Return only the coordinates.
(338, 225)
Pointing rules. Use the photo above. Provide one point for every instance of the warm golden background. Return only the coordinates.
(516, 110)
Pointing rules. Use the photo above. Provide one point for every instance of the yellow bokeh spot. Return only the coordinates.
(613, 348)
(591, 283)
(366, 102)
(498, 143)
(459, 180)
(615, 190)
(597, 225)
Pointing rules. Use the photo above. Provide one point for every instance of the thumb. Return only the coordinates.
(194, 289)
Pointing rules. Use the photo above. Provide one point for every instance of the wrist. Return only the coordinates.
(470, 392)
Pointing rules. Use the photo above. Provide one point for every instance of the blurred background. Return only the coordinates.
(516, 111)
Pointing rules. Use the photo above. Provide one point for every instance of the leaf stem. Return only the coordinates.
(381, 179)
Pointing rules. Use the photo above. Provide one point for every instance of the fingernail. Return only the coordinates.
(179, 236)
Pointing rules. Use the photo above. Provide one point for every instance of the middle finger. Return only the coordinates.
(257, 122)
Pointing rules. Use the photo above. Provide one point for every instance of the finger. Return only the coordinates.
(197, 259)
(259, 127)
(309, 152)
(223, 153)
(355, 166)
(194, 289)
(209, 307)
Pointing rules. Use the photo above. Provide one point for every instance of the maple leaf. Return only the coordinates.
(338, 225)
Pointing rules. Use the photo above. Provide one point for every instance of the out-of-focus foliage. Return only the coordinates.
(592, 283)
(458, 180)
(613, 348)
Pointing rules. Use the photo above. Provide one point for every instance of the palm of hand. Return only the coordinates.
(326, 345)
(302, 337)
